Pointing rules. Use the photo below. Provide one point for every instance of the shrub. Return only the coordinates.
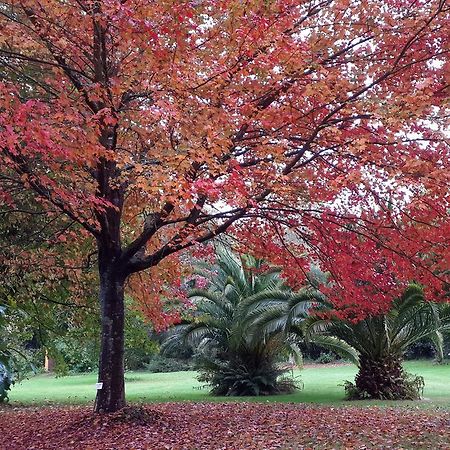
(326, 358)
(423, 349)
(77, 349)
(140, 348)
(237, 379)
(136, 358)
(6, 381)
(161, 364)
(74, 355)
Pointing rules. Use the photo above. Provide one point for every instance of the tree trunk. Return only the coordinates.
(111, 395)
(384, 378)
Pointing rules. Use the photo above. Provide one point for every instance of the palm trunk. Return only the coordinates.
(384, 378)
(111, 396)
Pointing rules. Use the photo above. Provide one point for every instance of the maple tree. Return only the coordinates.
(150, 127)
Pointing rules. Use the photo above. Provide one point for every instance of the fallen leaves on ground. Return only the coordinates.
(221, 426)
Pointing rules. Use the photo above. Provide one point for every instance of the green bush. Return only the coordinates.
(7, 349)
(326, 358)
(139, 347)
(74, 354)
(137, 358)
(6, 381)
(76, 349)
(422, 349)
(160, 364)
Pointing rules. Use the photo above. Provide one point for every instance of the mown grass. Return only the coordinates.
(321, 386)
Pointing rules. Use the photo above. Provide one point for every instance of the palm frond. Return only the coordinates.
(338, 346)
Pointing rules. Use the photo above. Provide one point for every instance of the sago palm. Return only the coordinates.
(381, 342)
(234, 357)
(290, 314)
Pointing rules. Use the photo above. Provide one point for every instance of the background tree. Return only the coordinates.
(136, 120)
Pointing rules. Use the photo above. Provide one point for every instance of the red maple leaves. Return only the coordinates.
(321, 133)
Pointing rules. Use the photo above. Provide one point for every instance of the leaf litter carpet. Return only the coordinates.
(233, 426)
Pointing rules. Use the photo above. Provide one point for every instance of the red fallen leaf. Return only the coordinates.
(229, 426)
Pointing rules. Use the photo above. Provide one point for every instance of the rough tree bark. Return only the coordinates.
(112, 275)
(111, 397)
(384, 378)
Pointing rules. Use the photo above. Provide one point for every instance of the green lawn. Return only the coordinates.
(320, 386)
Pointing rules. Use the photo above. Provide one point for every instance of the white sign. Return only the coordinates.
(98, 386)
